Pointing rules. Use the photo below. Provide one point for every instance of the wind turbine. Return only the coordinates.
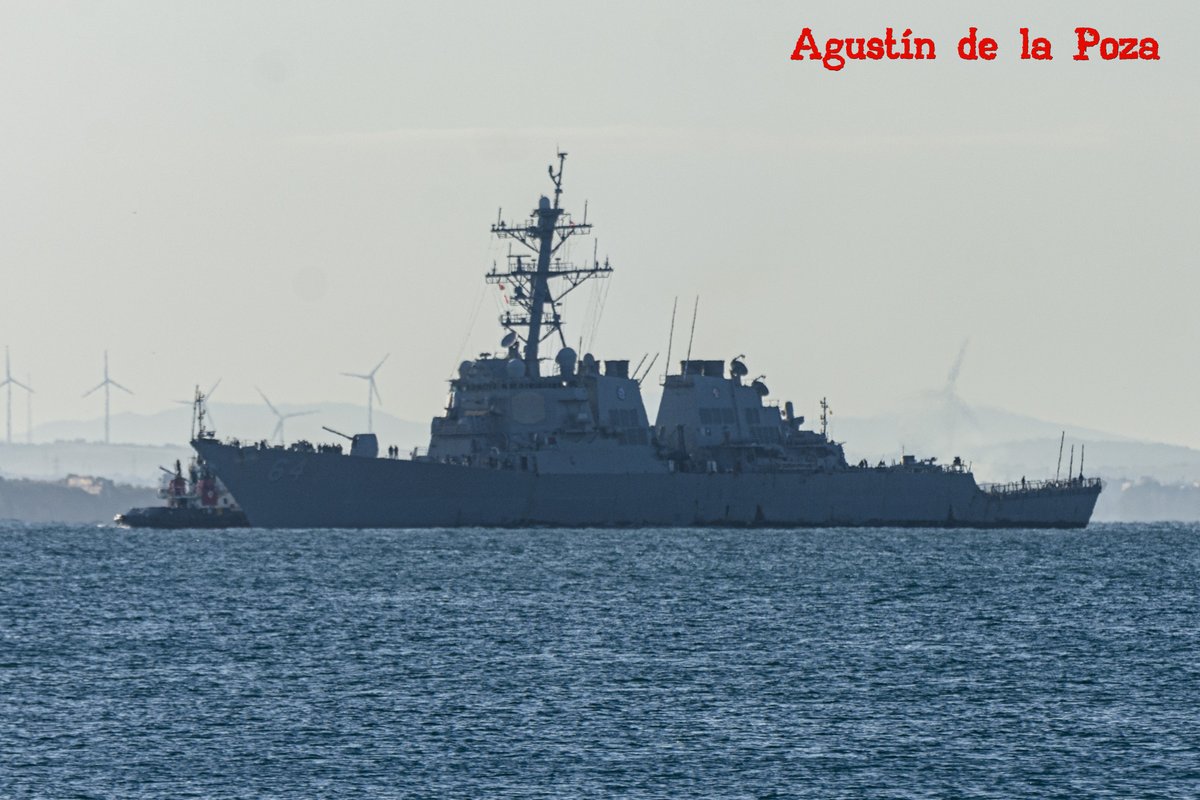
(372, 391)
(29, 410)
(104, 384)
(9, 382)
(278, 432)
(951, 404)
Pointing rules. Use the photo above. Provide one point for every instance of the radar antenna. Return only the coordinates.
(826, 413)
(200, 429)
(557, 178)
(548, 228)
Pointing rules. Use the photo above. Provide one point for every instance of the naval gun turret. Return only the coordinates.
(362, 445)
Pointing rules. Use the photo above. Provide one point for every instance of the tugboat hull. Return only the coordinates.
(172, 518)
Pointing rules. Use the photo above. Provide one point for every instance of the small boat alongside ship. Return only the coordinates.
(197, 500)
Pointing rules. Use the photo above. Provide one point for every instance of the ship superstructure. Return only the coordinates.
(583, 415)
(525, 440)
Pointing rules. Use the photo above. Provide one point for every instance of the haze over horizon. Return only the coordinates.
(274, 194)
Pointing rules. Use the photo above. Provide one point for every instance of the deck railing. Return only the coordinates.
(1022, 486)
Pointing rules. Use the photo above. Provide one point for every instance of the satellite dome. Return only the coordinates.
(509, 339)
(566, 361)
(514, 368)
(544, 203)
(464, 369)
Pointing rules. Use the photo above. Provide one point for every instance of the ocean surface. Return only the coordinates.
(643, 663)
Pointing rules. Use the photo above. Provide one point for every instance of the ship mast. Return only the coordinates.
(547, 229)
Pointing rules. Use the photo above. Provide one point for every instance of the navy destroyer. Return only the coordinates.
(525, 441)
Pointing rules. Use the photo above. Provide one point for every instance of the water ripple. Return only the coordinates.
(479, 663)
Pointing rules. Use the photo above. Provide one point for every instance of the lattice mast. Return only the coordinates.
(547, 230)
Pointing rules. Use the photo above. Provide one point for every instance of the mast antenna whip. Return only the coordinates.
(196, 410)
(671, 337)
(1058, 469)
(650, 366)
(692, 335)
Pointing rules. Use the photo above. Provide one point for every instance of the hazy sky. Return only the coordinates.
(275, 192)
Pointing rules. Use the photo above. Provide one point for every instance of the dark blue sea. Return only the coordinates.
(554, 663)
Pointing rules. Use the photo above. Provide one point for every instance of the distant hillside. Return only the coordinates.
(1122, 459)
(1006, 446)
(247, 421)
(134, 464)
(144, 442)
(74, 500)
(1147, 500)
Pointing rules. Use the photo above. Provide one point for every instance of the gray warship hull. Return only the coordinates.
(569, 444)
(281, 488)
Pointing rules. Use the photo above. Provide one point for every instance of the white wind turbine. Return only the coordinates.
(9, 382)
(104, 384)
(278, 432)
(372, 391)
(953, 410)
(29, 410)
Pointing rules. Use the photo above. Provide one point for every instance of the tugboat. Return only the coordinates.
(199, 500)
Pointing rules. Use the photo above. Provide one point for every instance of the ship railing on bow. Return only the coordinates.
(1023, 487)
